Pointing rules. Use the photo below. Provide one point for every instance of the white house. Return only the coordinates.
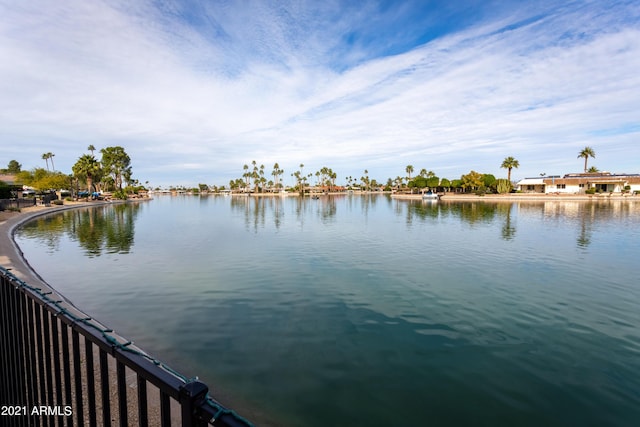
(578, 183)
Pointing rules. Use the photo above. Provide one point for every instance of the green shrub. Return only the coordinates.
(120, 194)
(590, 191)
(57, 202)
(5, 191)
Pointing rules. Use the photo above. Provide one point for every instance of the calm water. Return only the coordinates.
(368, 311)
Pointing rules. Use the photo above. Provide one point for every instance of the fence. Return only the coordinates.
(59, 367)
(17, 203)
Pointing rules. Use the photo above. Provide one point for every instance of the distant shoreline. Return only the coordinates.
(516, 197)
(510, 197)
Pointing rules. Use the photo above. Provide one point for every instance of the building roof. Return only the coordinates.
(531, 181)
(595, 178)
(8, 179)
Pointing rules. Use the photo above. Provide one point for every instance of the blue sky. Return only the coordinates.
(193, 90)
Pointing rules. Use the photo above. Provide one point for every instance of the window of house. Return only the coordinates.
(531, 187)
(562, 186)
(580, 185)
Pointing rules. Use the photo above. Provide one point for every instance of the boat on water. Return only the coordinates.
(430, 195)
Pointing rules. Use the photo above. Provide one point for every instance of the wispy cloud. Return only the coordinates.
(194, 90)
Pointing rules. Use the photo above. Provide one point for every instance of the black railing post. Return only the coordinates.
(104, 389)
(192, 396)
(5, 330)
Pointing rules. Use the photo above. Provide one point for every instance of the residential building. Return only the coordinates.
(579, 183)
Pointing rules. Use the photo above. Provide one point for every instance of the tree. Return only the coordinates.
(418, 182)
(276, 175)
(51, 155)
(5, 191)
(117, 163)
(473, 180)
(91, 148)
(593, 169)
(586, 153)
(262, 179)
(433, 182)
(509, 163)
(399, 181)
(14, 167)
(409, 170)
(52, 181)
(456, 183)
(246, 175)
(45, 157)
(300, 179)
(87, 167)
(488, 180)
(389, 185)
(365, 180)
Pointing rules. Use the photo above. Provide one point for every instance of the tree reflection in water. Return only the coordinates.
(585, 215)
(105, 228)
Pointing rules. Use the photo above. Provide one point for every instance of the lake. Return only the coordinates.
(366, 310)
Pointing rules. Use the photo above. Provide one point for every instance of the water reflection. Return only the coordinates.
(100, 229)
(585, 215)
(508, 229)
(257, 210)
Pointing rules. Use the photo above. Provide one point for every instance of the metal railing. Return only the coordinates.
(59, 367)
(17, 203)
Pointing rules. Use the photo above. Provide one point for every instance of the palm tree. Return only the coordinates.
(86, 167)
(246, 175)
(509, 163)
(50, 154)
(409, 170)
(45, 157)
(399, 180)
(586, 153)
(91, 148)
(276, 174)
